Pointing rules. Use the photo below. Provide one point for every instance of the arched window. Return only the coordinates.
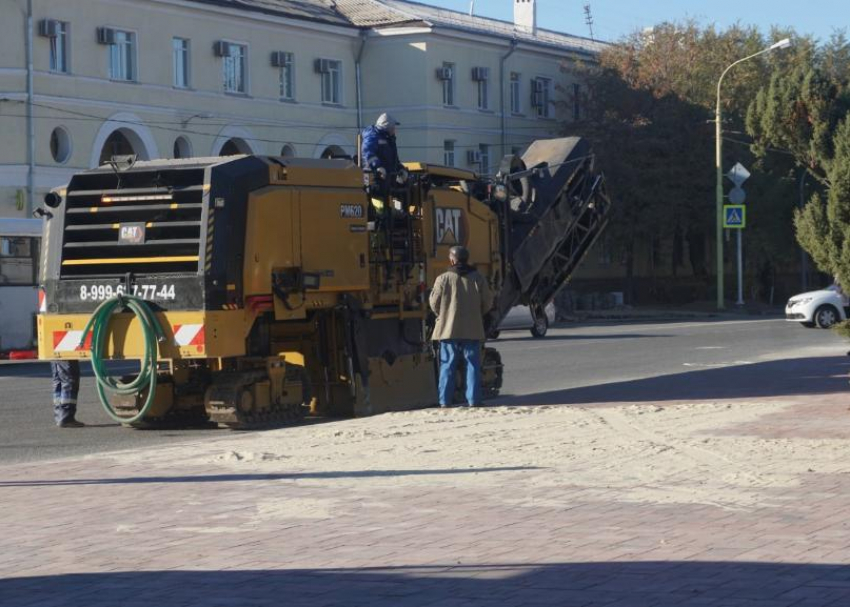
(182, 148)
(234, 146)
(118, 144)
(287, 151)
(334, 151)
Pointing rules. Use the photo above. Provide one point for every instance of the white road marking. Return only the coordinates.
(737, 363)
(711, 348)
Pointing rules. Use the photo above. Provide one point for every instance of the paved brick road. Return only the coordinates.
(102, 532)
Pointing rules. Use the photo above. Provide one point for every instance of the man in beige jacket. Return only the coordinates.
(461, 298)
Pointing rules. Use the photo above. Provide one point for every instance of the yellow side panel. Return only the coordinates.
(187, 335)
(451, 218)
(334, 240)
(271, 238)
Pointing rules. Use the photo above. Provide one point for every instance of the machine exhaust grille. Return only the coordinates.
(139, 230)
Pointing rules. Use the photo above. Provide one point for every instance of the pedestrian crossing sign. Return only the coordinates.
(735, 216)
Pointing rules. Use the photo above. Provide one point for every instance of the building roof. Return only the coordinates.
(322, 11)
(442, 17)
(395, 13)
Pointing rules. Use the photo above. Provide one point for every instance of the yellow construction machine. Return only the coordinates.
(255, 289)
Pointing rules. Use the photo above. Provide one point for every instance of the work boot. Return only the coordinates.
(71, 423)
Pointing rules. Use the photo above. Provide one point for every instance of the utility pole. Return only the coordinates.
(588, 19)
(472, 8)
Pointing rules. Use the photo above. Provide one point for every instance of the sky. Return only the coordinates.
(615, 18)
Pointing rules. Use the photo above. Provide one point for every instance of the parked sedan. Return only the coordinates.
(821, 308)
(520, 318)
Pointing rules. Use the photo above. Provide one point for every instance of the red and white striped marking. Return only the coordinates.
(69, 341)
(42, 301)
(189, 335)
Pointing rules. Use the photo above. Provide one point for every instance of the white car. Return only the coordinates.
(520, 318)
(821, 308)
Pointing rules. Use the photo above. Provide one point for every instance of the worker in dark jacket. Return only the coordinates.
(66, 386)
(379, 149)
(461, 298)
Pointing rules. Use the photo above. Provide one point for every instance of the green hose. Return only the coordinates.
(152, 332)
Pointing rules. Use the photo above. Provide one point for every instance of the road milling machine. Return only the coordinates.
(256, 288)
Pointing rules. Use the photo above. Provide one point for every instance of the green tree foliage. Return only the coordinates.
(649, 112)
(806, 110)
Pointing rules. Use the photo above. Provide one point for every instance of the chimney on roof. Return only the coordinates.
(525, 15)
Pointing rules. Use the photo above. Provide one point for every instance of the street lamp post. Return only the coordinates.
(785, 43)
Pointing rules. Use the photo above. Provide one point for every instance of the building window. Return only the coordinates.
(180, 59)
(516, 93)
(182, 148)
(484, 150)
(60, 145)
(236, 69)
(449, 153)
(122, 57)
(449, 84)
(331, 81)
(59, 48)
(18, 260)
(542, 97)
(483, 97)
(287, 76)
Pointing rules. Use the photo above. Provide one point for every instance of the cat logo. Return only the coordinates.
(450, 226)
(131, 233)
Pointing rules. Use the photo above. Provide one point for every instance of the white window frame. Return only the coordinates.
(331, 82)
(449, 91)
(60, 60)
(128, 61)
(288, 67)
(483, 94)
(544, 110)
(226, 63)
(183, 63)
(484, 164)
(516, 93)
(449, 152)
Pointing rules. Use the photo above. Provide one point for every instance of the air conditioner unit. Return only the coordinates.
(105, 35)
(444, 73)
(221, 48)
(48, 28)
(480, 73)
(279, 58)
(473, 157)
(322, 66)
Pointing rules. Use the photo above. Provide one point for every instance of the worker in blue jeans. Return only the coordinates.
(66, 386)
(461, 298)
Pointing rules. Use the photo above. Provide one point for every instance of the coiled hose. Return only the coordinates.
(146, 379)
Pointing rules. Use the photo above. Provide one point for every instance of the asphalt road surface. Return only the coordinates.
(576, 364)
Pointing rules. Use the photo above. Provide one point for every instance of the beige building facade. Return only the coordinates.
(83, 80)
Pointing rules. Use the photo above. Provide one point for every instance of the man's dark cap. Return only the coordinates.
(460, 253)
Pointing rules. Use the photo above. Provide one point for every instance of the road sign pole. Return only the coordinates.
(740, 301)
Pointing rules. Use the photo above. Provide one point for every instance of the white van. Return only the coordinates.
(20, 244)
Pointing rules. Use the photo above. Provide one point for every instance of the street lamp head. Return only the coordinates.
(784, 43)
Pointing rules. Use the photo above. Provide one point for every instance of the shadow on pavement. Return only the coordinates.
(526, 336)
(624, 584)
(788, 377)
(230, 478)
